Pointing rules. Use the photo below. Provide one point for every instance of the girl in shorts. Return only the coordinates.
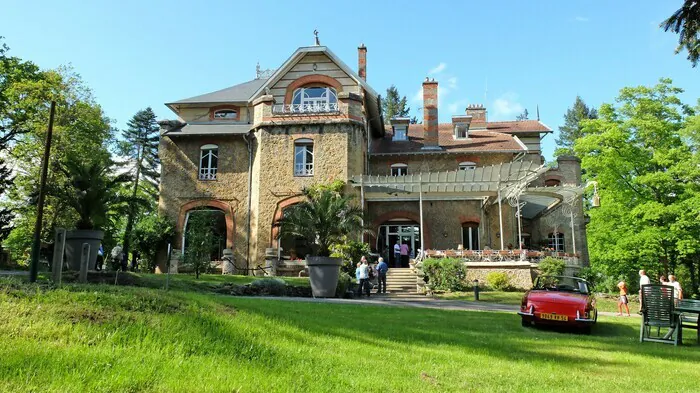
(623, 298)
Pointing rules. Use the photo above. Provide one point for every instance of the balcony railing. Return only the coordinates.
(304, 169)
(305, 108)
(207, 174)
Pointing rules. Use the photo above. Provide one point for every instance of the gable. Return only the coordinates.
(324, 65)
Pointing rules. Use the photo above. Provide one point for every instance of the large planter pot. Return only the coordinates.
(323, 275)
(74, 246)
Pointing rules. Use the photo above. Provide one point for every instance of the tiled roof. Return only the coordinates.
(516, 126)
(478, 141)
(237, 93)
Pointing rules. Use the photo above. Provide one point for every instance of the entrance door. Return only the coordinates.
(405, 232)
(470, 236)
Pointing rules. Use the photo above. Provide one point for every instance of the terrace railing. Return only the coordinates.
(282, 109)
(498, 255)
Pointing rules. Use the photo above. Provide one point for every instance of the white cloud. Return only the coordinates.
(452, 82)
(457, 107)
(440, 67)
(581, 19)
(506, 107)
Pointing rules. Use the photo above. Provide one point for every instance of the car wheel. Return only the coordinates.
(525, 323)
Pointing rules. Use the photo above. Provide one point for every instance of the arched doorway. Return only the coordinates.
(210, 219)
(398, 231)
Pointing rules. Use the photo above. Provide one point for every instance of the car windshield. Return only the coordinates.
(561, 283)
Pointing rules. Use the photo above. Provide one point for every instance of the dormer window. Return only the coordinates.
(400, 133)
(467, 166)
(462, 131)
(399, 170)
(224, 114)
(315, 99)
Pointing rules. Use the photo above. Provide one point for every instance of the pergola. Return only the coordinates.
(496, 183)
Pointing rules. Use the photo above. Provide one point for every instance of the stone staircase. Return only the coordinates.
(401, 281)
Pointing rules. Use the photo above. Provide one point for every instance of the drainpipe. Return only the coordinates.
(250, 199)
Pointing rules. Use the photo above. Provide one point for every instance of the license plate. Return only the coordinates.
(554, 317)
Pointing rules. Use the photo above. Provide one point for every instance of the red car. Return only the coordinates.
(559, 300)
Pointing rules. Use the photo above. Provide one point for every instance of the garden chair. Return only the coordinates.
(487, 255)
(468, 255)
(658, 312)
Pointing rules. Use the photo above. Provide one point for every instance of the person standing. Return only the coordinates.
(382, 268)
(357, 274)
(643, 280)
(404, 255)
(397, 254)
(677, 290)
(364, 277)
(623, 298)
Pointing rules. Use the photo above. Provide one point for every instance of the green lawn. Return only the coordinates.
(603, 302)
(129, 339)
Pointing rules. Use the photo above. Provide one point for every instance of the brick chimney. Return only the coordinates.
(362, 61)
(477, 112)
(430, 115)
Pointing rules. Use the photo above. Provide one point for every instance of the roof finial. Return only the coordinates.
(538, 112)
(316, 36)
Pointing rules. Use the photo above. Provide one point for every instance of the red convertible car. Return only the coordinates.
(559, 300)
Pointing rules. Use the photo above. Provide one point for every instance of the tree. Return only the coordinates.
(393, 105)
(642, 153)
(201, 241)
(150, 235)
(80, 129)
(686, 23)
(522, 116)
(573, 124)
(16, 78)
(324, 219)
(140, 146)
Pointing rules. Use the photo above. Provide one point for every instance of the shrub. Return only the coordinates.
(499, 281)
(344, 283)
(551, 267)
(594, 276)
(151, 234)
(269, 286)
(351, 251)
(445, 274)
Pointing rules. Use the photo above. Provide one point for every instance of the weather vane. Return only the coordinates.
(316, 36)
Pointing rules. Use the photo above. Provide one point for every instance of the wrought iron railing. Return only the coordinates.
(304, 169)
(497, 255)
(207, 174)
(305, 108)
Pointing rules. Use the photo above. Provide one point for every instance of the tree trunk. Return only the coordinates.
(132, 209)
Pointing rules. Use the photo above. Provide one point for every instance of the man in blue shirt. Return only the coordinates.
(382, 268)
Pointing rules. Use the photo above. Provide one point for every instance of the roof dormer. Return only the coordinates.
(399, 126)
(460, 124)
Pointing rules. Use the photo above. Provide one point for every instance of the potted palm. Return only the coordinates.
(94, 195)
(326, 217)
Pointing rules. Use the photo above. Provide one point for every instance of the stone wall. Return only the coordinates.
(381, 165)
(181, 189)
(274, 182)
(520, 273)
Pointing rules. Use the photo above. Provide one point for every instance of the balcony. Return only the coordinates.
(294, 109)
(207, 174)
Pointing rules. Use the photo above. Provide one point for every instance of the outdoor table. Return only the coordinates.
(687, 306)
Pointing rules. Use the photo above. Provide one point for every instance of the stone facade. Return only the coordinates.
(256, 179)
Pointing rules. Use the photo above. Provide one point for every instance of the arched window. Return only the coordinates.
(470, 236)
(552, 182)
(225, 114)
(314, 99)
(467, 166)
(399, 170)
(556, 241)
(303, 157)
(208, 162)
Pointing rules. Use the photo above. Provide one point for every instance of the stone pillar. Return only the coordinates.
(228, 266)
(271, 261)
(175, 258)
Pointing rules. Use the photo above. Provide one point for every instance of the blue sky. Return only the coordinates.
(507, 55)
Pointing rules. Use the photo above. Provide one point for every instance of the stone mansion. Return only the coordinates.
(247, 151)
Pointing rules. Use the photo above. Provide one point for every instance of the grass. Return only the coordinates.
(603, 302)
(129, 339)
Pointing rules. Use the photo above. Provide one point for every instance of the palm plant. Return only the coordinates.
(91, 191)
(325, 218)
